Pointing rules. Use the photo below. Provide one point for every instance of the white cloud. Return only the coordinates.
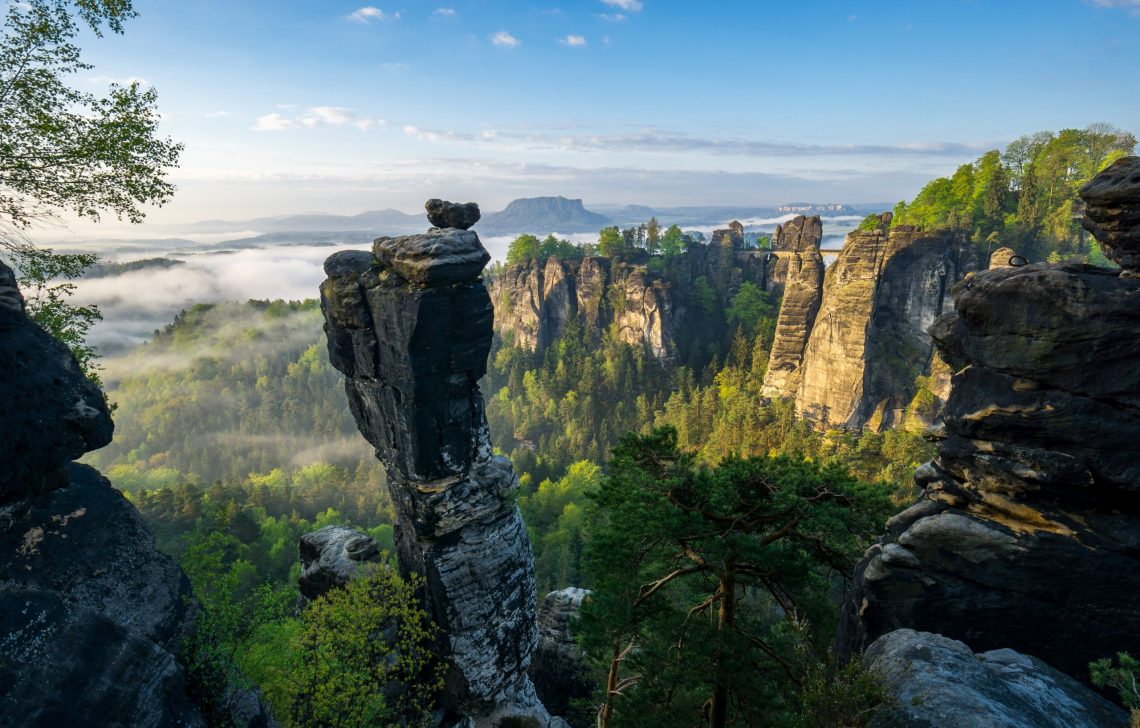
(272, 122)
(444, 12)
(505, 39)
(317, 116)
(216, 114)
(612, 17)
(574, 41)
(369, 13)
(631, 6)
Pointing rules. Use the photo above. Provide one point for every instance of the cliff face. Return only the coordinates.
(800, 270)
(91, 616)
(1028, 532)
(410, 327)
(535, 302)
(869, 338)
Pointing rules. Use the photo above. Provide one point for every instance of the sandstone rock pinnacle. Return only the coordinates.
(444, 214)
(410, 327)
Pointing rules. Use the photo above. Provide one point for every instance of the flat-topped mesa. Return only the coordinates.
(1112, 211)
(800, 270)
(410, 327)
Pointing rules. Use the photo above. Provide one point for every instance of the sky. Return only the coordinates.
(330, 106)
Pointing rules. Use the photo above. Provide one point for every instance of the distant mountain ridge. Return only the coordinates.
(542, 215)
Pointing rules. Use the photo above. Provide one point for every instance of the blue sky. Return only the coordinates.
(324, 105)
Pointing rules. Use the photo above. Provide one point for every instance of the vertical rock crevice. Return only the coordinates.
(410, 326)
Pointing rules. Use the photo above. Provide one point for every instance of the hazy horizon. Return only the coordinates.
(343, 107)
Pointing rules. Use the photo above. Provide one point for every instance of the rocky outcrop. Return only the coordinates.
(1112, 214)
(870, 340)
(443, 214)
(654, 308)
(412, 351)
(800, 270)
(559, 670)
(1027, 535)
(535, 302)
(936, 682)
(91, 615)
(332, 556)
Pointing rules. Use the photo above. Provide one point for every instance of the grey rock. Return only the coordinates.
(332, 556)
(51, 413)
(559, 670)
(413, 356)
(937, 682)
(91, 615)
(441, 255)
(1029, 521)
(1112, 211)
(443, 214)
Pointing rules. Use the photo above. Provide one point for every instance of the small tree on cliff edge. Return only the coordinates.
(68, 151)
(706, 579)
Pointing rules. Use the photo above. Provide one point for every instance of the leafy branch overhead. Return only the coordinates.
(67, 150)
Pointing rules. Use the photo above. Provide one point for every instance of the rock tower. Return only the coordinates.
(409, 325)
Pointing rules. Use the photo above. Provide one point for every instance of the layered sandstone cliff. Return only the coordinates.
(799, 269)
(869, 339)
(1027, 534)
(410, 327)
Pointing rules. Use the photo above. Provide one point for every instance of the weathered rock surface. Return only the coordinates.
(443, 214)
(51, 413)
(1002, 257)
(332, 556)
(441, 255)
(1027, 535)
(559, 669)
(1112, 211)
(413, 351)
(536, 301)
(870, 339)
(91, 615)
(938, 682)
(800, 269)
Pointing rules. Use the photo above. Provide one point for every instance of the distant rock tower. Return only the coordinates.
(409, 325)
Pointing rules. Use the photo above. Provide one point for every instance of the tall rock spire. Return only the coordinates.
(409, 325)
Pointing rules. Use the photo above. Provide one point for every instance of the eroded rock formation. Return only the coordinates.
(938, 682)
(1027, 535)
(91, 615)
(332, 556)
(800, 269)
(559, 669)
(869, 339)
(410, 327)
(534, 303)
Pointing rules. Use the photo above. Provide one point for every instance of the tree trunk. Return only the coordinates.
(718, 715)
(606, 716)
